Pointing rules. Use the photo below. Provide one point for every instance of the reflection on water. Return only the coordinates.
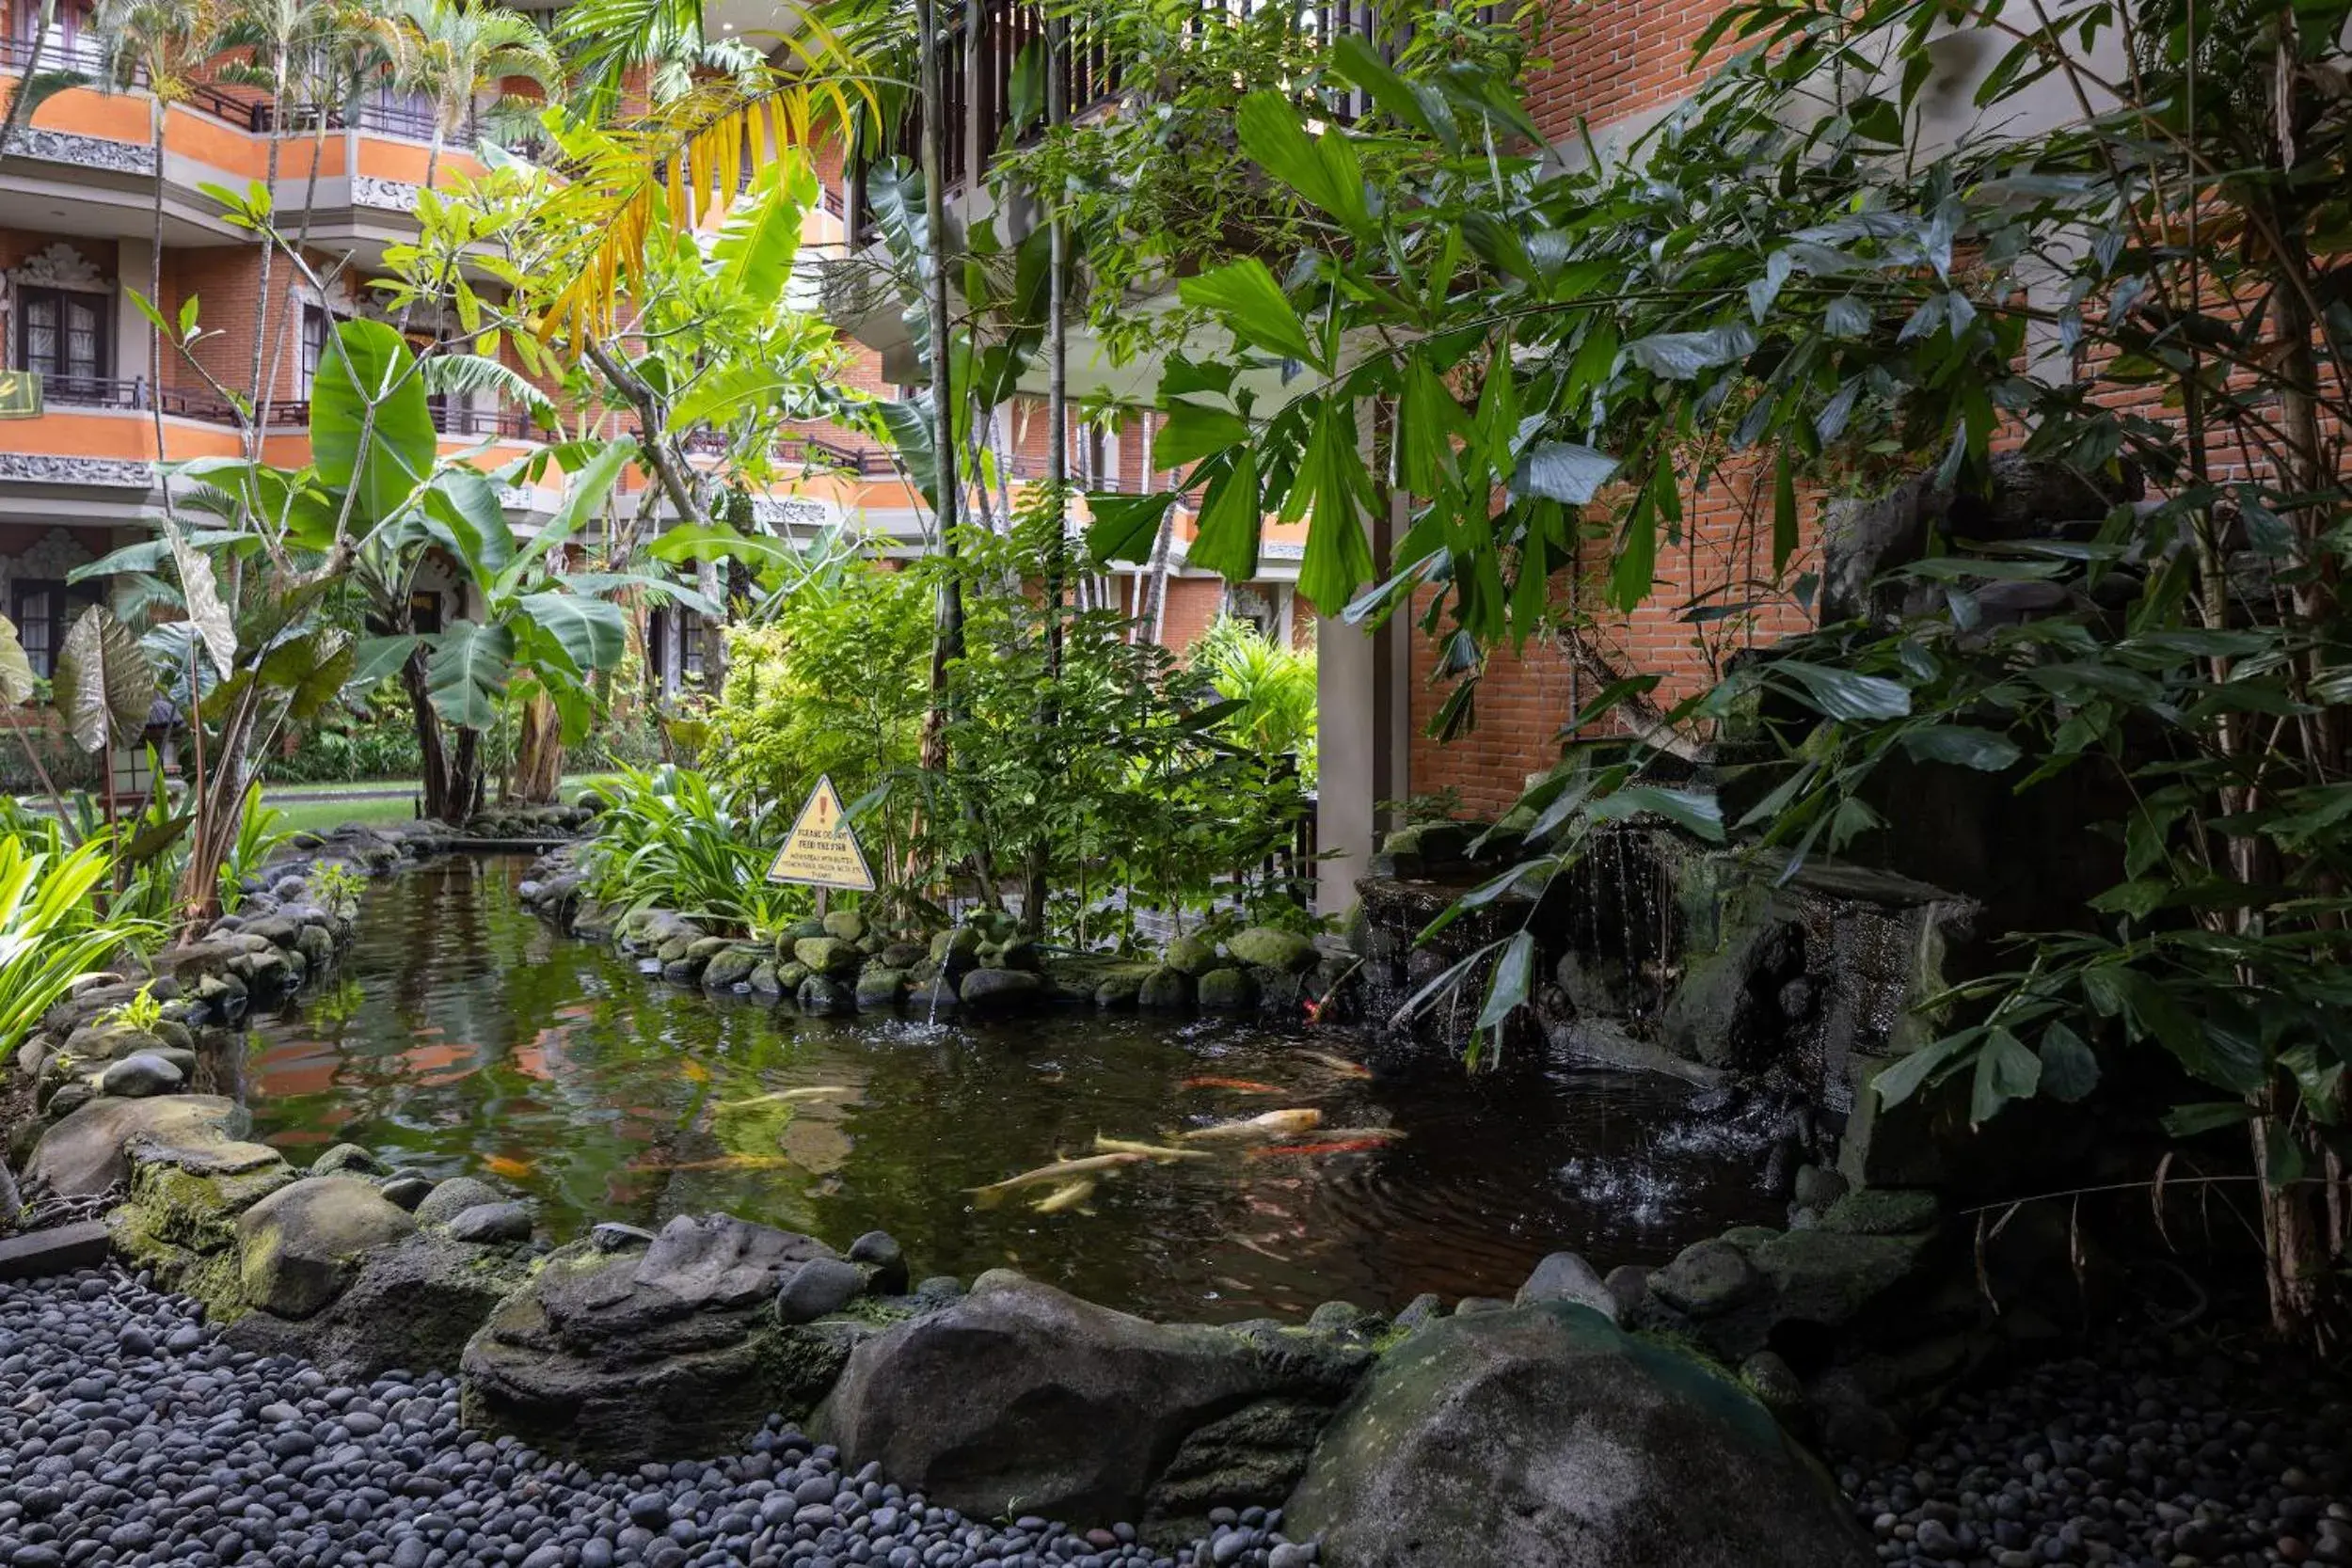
(462, 1034)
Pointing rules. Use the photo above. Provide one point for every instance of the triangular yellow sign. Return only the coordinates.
(822, 851)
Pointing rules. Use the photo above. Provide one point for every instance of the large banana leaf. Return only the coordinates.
(104, 684)
(467, 671)
(368, 366)
(463, 510)
(583, 497)
(590, 632)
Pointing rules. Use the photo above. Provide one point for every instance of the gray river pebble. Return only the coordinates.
(2144, 1460)
(130, 1437)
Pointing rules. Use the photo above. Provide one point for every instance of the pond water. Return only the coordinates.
(462, 1034)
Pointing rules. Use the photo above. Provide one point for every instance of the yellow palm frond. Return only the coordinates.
(682, 161)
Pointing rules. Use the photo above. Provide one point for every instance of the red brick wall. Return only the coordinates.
(1607, 61)
(1193, 604)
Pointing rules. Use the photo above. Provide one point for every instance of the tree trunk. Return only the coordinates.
(433, 760)
(18, 113)
(538, 753)
(947, 631)
(1056, 463)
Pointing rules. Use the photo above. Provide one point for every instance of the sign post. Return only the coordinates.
(822, 851)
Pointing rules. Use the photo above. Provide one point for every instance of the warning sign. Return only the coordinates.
(821, 851)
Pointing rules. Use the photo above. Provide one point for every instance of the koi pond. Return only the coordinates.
(462, 1035)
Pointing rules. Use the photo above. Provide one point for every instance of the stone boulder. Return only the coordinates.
(1018, 1398)
(142, 1074)
(1752, 1288)
(180, 1219)
(299, 1246)
(1545, 1434)
(412, 1304)
(448, 1199)
(619, 1350)
(993, 993)
(85, 1154)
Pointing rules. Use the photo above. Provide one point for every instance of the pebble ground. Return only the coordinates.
(130, 1435)
(2152, 1458)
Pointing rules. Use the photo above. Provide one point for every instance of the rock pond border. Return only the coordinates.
(627, 1346)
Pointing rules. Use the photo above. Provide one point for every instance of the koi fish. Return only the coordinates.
(512, 1169)
(1339, 1065)
(787, 1097)
(1150, 1151)
(1060, 1171)
(695, 1073)
(1062, 1198)
(1239, 1085)
(1257, 1130)
(731, 1162)
(1362, 1140)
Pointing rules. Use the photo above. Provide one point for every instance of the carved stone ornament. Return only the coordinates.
(783, 512)
(64, 147)
(58, 266)
(391, 195)
(41, 467)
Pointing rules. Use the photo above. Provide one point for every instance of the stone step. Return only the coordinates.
(61, 1250)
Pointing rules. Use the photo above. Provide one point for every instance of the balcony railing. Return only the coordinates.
(246, 108)
(136, 393)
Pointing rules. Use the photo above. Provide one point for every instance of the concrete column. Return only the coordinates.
(1364, 726)
(130, 345)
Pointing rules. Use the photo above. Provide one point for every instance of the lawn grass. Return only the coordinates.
(319, 816)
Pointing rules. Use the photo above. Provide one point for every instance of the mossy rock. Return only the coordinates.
(1268, 948)
(848, 925)
(960, 942)
(828, 956)
(675, 950)
(1191, 956)
(731, 968)
(789, 977)
(1882, 1211)
(1433, 843)
(1164, 989)
(824, 996)
(1229, 991)
(879, 990)
(763, 979)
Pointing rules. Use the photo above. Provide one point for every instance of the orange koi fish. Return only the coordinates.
(695, 1073)
(512, 1169)
(1337, 1146)
(1238, 1086)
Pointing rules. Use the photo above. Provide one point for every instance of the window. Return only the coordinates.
(314, 329)
(42, 608)
(62, 335)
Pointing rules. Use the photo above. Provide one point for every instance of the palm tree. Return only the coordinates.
(452, 52)
(306, 55)
(159, 45)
